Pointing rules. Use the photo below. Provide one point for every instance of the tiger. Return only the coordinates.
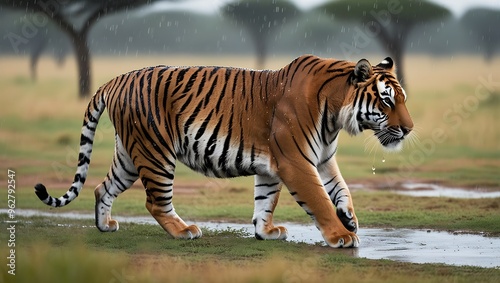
(281, 126)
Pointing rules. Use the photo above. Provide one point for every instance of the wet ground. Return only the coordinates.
(408, 245)
(434, 190)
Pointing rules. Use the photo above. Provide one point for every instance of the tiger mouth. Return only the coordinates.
(389, 140)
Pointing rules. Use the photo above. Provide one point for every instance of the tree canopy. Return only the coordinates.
(484, 24)
(389, 21)
(75, 18)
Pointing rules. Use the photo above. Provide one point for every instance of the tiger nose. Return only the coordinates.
(405, 130)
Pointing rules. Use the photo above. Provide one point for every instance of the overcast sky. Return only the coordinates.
(457, 7)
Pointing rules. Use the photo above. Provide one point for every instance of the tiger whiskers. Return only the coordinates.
(412, 139)
(385, 137)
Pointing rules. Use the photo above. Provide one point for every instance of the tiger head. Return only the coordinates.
(377, 102)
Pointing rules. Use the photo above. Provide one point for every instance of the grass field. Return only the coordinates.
(454, 104)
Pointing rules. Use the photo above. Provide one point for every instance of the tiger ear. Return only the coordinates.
(387, 64)
(362, 71)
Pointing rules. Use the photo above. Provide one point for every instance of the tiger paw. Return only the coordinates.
(189, 233)
(275, 233)
(350, 240)
(108, 226)
(348, 218)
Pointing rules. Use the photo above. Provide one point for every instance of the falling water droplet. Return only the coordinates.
(383, 159)
(373, 169)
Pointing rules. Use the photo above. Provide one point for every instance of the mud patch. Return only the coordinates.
(406, 245)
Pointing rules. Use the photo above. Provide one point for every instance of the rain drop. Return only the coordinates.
(383, 159)
(373, 169)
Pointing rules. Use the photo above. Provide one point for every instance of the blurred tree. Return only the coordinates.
(389, 21)
(261, 19)
(68, 15)
(484, 24)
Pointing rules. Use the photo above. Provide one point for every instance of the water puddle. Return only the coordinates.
(407, 245)
(429, 190)
(433, 190)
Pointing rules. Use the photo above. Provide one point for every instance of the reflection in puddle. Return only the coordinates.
(417, 246)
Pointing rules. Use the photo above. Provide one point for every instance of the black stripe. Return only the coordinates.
(273, 192)
(252, 159)
(162, 198)
(331, 180)
(297, 68)
(267, 185)
(279, 147)
(166, 82)
(210, 91)
(223, 91)
(306, 136)
(192, 117)
(185, 104)
(203, 126)
(115, 177)
(85, 140)
(82, 159)
(209, 150)
(161, 140)
(302, 153)
(336, 194)
(180, 76)
(191, 80)
(123, 167)
(314, 61)
(78, 178)
(333, 189)
(239, 156)
(316, 134)
(227, 142)
(201, 86)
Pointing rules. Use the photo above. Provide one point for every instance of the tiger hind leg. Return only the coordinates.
(122, 174)
(159, 194)
(267, 191)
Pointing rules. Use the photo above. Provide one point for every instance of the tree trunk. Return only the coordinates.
(260, 49)
(397, 56)
(394, 42)
(83, 60)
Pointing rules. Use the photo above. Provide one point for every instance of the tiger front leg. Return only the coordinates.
(339, 194)
(305, 186)
(266, 195)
